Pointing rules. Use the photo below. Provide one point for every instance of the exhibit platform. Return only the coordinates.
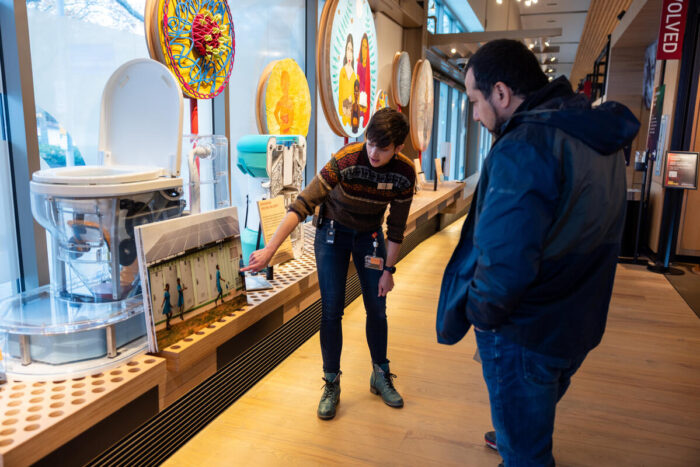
(633, 402)
(196, 378)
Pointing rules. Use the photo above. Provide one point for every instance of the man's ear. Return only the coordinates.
(398, 148)
(501, 95)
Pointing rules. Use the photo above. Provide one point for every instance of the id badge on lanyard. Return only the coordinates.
(373, 261)
(330, 235)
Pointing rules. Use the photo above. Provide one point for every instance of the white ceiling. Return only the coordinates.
(570, 15)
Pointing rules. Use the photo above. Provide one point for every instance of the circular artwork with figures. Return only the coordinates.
(283, 101)
(195, 39)
(401, 79)
(347, 65)
(422, 105)
(381, 101)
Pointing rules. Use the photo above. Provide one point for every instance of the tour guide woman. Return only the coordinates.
(354, 189)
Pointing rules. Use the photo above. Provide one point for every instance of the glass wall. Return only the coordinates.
(261, 37)
(75, 47)
(9, 262)
(449, 133)
(461, 153)
(441, 20)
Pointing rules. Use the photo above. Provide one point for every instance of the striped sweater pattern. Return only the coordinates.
(356, 195)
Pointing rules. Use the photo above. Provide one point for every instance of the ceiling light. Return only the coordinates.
(534, 1)
(500, 2)
(453, 51)
(553, 59)
(528, 2)
(546, 43)
(551, 78)
(531, 46)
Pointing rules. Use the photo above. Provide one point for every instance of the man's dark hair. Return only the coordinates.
(509, 62)
(387, 126)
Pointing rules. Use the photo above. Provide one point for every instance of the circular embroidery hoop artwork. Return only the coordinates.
(348, 73)
(195, 39)
(422, 105)
(283, 101)
(401, 79)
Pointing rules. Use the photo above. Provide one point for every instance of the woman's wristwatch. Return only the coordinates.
(391, 269)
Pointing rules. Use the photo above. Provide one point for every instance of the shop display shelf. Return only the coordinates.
(39, 417)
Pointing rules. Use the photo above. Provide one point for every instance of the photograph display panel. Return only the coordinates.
(189, 264)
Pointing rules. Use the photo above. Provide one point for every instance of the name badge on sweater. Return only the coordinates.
(385, 186)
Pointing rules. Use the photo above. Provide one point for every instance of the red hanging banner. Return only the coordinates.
(672, 30)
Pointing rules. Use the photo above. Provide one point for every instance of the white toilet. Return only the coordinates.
(92, 314)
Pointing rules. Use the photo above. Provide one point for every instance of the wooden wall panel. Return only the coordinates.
(600, 22)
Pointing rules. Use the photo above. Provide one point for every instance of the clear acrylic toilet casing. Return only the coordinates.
(91, 316)
(205, 172)
(93, 245)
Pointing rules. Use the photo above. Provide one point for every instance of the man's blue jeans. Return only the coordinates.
(524, 388)
(332, 261)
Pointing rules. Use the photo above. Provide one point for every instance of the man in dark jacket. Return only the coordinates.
(534, 268)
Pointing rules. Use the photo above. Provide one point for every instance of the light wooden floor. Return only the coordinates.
(635, 401)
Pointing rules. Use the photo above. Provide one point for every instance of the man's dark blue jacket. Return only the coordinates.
(537, 256)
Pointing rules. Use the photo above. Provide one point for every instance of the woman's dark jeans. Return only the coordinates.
(332, 261)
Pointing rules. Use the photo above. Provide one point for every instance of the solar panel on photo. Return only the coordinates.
(179, 241)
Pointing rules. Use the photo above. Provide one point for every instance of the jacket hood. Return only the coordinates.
(607, 128)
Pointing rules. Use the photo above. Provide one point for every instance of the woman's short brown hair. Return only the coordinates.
(387, 126)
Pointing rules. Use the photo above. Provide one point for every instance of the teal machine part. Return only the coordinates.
(252, 155)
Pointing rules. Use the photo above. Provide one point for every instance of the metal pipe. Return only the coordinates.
(24, 349)
(114, 247)
(111, 341)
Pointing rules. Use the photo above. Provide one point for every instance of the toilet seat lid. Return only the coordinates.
(141, 117)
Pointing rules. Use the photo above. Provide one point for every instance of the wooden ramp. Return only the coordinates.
(635, 401)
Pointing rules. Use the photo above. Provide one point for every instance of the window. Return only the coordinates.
(75, 47)
(449, 132)
(56, 147)
(265, 31)
(440, 17)
(454, 131)
(462, 137)
(432, 16)
(9, 262)
(440, 128)
(484, 145)
(446, 23)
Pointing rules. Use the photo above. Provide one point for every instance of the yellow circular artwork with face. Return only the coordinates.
(284, 100)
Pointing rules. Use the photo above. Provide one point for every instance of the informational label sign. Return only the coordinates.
(681, 170)
(657, 108)
(271, 214)
(419, 171)
(438, 170)
(661, 146)
(672, 29)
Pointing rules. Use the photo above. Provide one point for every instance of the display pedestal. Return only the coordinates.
(41, 416)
